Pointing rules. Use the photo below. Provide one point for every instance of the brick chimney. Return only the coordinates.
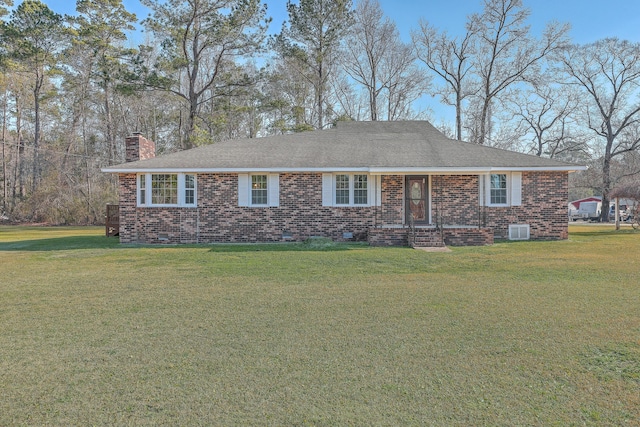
(139, 148)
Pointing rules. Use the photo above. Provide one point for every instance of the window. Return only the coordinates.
(189, 189)
(342, 189)
(346, 189)
(258, 189)
(360, 195)
(498, 190)
(142, 190)
(166, 189)
(501, 189)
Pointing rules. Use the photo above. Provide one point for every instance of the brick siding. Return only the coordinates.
(454, 204)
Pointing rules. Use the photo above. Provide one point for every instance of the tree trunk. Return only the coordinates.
(4, 158)
(191, 125)
(18, 173)
(483, 124)
(458, 115)
(36, 138)
(373, 96)
(606, 185)
(320, 99)
(109, 125)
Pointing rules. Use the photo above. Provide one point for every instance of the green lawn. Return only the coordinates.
(527, 333)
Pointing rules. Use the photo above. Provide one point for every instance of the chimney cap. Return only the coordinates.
(136, 133)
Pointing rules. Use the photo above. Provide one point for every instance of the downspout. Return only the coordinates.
(481, 199)
(439, 215)
(377, 203)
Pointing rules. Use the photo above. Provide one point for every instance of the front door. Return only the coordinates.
(417, 202)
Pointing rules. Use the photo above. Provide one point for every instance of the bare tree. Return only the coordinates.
(371, 37)
(546, 115)
(450, 59)
(290, 93)
(608, 73)
(376, 59)
(352, 102)
(309, 44)
(506, 52)
(406, 83)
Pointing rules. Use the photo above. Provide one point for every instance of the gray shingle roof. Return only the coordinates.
(372, 146)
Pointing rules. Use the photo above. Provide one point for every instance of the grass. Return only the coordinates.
(518, 333)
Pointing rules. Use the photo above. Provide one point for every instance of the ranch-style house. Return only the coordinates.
(387, 183)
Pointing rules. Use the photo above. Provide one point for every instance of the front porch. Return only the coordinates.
(430, 211)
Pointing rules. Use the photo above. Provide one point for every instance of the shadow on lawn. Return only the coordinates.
(61, 243)
(604, 233)
(287, 247)
(64, 243)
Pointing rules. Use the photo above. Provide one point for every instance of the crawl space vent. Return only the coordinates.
(518, 231)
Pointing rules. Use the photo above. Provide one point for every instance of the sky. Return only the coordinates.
(590, 19)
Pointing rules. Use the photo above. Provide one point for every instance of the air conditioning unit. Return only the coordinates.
(518, 231)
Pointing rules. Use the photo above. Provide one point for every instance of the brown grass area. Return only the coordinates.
(527, 333)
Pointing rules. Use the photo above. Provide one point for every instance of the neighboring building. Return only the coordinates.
(589, 209)
(388, 183)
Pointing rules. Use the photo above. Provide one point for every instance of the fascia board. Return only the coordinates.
(371, 170)
(232, 170)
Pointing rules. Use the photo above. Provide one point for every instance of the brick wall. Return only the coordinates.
(468, 236)
(454, 198)
(544, 208)
(218, 218)
(392, 209)
(388, 237)
(544, 205)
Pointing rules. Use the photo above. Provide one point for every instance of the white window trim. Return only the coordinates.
(273, 190)
(514, 189)
(374, 193)
(181, 191)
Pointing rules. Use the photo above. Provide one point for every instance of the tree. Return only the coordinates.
(608, 74)
(376, 58)
(100, 30)
(200, 40)
(289, 94)
(546, 114)
(33, 37)
(309, 43)
(3, 6)
(506, 52)
(450, 59)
